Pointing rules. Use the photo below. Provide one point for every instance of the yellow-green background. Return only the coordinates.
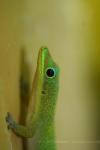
(71, 30)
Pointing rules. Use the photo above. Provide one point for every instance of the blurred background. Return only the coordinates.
(71, 30)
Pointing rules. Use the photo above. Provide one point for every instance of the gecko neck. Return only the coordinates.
(45, 127)
(46, 137)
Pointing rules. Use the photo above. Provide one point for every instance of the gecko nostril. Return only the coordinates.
(43, 92)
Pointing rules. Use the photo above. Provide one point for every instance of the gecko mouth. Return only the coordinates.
(42, 57)
(42, 62)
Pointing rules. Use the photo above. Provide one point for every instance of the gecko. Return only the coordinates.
(40, 122)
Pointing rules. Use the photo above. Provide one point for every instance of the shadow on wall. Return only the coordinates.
(24, 91)
(95, 75)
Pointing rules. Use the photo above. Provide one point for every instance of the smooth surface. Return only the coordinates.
(71, 30)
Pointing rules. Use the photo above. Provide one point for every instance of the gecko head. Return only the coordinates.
(48, 82)
(49, 72)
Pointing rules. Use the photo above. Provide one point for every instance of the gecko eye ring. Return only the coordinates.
(50, 72)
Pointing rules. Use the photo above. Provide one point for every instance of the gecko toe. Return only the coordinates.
(8, 118)
(9, 121)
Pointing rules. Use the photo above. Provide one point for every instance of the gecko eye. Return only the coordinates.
(50, 72)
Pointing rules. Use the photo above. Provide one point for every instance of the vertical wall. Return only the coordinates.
(70, 28)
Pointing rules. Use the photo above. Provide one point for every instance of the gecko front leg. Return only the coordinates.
(24, 131)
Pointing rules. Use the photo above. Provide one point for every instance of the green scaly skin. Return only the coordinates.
(41, 118)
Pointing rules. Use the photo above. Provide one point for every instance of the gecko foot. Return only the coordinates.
(10, 121)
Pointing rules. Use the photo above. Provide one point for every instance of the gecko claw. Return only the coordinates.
(10, 121)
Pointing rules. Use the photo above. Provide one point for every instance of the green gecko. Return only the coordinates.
(40, 122)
